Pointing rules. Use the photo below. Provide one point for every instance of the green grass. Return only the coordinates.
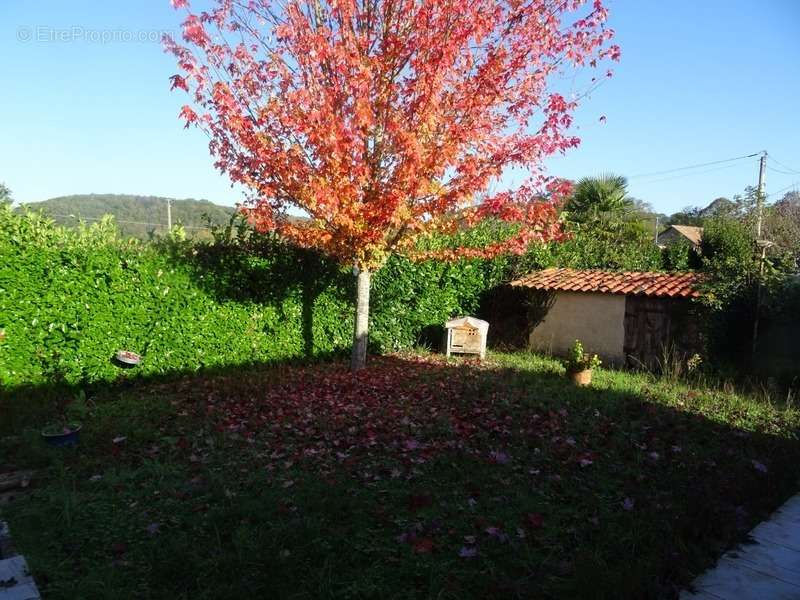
(306, 483)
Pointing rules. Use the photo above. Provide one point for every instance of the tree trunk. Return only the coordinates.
(359, 357)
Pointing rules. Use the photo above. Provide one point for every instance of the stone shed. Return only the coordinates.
(625, 317)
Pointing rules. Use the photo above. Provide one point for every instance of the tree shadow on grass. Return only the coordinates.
(386, 483)
(33, 405)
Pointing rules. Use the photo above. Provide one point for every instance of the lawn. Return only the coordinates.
(419, 478)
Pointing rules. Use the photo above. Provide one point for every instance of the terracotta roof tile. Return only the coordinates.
(637, 283)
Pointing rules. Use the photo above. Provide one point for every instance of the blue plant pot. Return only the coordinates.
(63, 440)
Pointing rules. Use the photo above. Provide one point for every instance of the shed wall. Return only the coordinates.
(597, 320)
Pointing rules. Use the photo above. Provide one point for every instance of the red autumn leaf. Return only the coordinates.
(419, 501)
(423, 546)
(501, 458)
(534, 520)
(188, 115)
(411, 445)
(119, 548)
(178, 82)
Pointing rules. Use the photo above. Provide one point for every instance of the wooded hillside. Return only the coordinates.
(136, 216)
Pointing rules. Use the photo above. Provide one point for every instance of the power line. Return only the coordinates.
(773, 169)
(691, 174)
(783, 189)
(697, 166)
(779, 163)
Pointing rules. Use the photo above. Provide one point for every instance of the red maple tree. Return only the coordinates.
(387, 120)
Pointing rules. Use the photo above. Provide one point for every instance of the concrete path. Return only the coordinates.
(766, 567)
(16, 582)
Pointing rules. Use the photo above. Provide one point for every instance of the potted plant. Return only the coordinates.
(65, 431)
(62, 433)
(579, 364)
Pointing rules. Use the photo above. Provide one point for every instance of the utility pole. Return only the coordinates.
(762, 181)
(169, 215)
(762, 245)
(655, 235)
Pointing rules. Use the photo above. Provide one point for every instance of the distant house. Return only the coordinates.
(676, 233)
(626, 318)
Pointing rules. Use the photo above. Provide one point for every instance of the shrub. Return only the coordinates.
(739, 289)
(681, 256)
(592, 248)
(69, 299)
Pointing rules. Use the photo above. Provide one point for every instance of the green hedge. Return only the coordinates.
(70, 298)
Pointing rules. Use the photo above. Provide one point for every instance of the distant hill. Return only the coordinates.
(718, 208)
(136, 216)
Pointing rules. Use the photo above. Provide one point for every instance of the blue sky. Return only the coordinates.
(699, 81)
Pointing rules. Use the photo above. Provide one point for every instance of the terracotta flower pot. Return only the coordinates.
(581, 378)
(127, 358)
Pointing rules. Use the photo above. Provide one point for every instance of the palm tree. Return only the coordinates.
(599, 199)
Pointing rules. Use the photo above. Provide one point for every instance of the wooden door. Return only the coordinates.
(648, 330)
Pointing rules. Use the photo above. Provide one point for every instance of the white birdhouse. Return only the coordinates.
(466, 335)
